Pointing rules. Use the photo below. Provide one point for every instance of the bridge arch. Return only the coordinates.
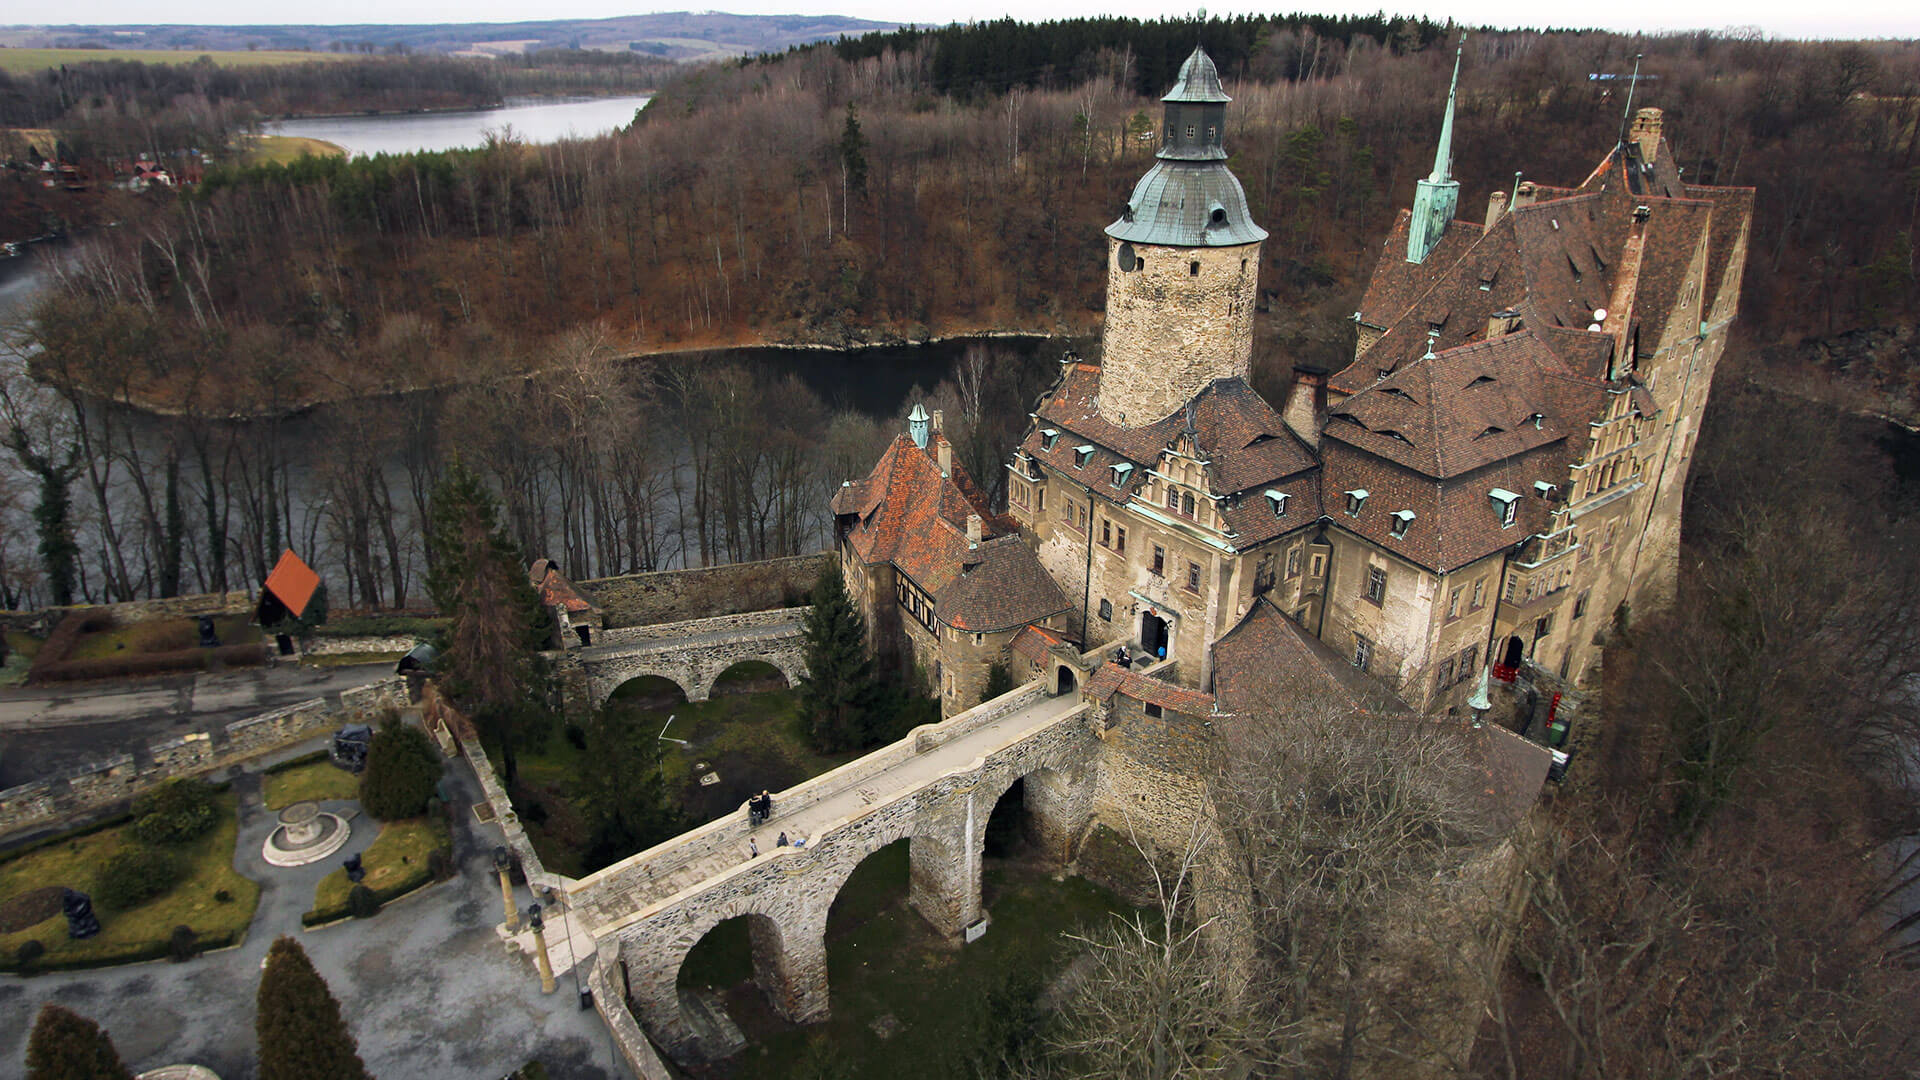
(789, 966)
(662, 679)
(790, 673)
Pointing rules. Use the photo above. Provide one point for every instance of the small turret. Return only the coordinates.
(918, 426)
(1437, 197)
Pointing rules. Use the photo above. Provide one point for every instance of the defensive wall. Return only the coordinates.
(132, 611)
(670, 596)
(120, 777)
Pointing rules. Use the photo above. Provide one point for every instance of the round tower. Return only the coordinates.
(1182, 263)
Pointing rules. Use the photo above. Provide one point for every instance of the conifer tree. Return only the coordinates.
(478, 579)
(67, 1046)
(403, 769)
(301, 1033)
(838, 692)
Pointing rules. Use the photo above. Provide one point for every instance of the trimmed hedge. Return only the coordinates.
(132, 953)
(59, 644)
(294, 763)
(159, 663)
(424, 626)
(418, 879)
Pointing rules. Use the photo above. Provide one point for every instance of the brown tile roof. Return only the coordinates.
(293, 582)
(556, 591)
(1113, 679)
(1035, 643)
(905, 513)
(1397, 283)
(1268, 660)
(1248, 449)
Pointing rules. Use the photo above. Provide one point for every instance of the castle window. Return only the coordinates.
(1580, 604)
(1039, 498)
(1212, 132)
(1468, 661)
(1106, 610)
(1048, 437)
(1120, 539)
(1159, 560)
(1453, 604)
(1401, 519)
(1480, 594)
(1376, 584)
(1106, 532)
(1189, 132)
(1082, 455)
(1317, 566)
(1293, 563)
(1263, 575)
(1506, 504)
(1445, 677)
(1153, 710)
(1173, 498)
(1362, 652)
(1120, 474)
(1278, 500)
(1355, 500)
(1186, 503)
(1193, 577)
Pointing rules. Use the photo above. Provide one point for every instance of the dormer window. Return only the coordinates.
(1536, 419)
(1401, 519)
(1048, 436)
(1355, 500)
(1278, 501)
(1506, 504)
(1544, 489)
(1120, 472)
(1494, 430)
(1082, 455)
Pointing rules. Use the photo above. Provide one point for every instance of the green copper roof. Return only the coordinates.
(1199, 81)
(1188, 204)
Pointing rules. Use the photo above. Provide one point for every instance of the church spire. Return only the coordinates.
(1436, 197)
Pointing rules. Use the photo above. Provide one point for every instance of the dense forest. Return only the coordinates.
(899, 186)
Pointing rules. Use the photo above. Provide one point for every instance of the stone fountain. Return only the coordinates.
(305, 834)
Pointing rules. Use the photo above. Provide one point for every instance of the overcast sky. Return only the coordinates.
(1778, 18)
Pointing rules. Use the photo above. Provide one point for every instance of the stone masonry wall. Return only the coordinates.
(1170, 331)
(95, 786)
(678, 595)
(134, 611)
(690, 627)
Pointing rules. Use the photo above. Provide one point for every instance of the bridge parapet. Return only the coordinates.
(691, 627)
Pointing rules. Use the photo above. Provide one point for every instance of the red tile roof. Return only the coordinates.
(1113, 679)
(1034, 643)
(556, 591)
(907, 514)
(293, 582)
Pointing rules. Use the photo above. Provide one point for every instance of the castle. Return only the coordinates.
(1497, 472)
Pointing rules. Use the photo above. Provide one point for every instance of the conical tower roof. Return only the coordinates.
(1199, 81)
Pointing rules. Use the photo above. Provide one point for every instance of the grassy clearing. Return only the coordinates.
(396, 863)
(286, 149)
(140, 933)
(160, 635)
(350, 659)
(314, 781)
(28, 61)
(888, 971)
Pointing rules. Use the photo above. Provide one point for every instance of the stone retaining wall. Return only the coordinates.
(133, 611)
(704, 592)
(100, 784)
(321, 645)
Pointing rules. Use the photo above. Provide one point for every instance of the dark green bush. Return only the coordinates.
(362, 903)
(29, 951)
(403, 769)
(439, 864)
(183, 943)
(138, 876)
(222, 896)
(175, 812)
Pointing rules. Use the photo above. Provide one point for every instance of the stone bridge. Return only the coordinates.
(691, 654)
(936, 788)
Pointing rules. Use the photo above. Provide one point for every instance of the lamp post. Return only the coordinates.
(540, 948)
(503, 863)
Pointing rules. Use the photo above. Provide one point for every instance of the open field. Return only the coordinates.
(139, 933)
(286, 149)
(28, 61)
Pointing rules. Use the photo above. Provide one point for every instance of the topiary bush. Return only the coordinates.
(29, 951)
(183, 944)
(362, 903)
(136, 877)
(175, 812)
(403, 769)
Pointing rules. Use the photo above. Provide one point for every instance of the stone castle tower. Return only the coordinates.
(1181, 267)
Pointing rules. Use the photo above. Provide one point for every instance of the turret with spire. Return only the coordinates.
(1182, 263)
(1436, 197)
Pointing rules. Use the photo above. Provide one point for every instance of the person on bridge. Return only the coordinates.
(766, 804)
(782, 842)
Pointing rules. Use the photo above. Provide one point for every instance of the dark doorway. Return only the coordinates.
(1515, 652)
(1153, 635)
(1005, 834)
(1066, 682)
(586, 634)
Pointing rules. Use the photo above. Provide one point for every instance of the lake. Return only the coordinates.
(533, 120)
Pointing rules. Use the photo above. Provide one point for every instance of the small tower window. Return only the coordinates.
(1506, 504)
(1082, 455)
(1401, 520)
(1189, 132)
(1278, 500)
(1212, 133)
(1048, 436)
(1193, 268)
(1355, 500)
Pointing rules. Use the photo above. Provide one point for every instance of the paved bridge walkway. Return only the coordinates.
(938, 786)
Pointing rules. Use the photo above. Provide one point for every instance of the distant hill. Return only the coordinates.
(676, 35)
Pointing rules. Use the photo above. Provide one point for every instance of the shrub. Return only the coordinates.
(362, 903)
(577, 736)
(66, 1044)
(183, 943)
(297, 1022)
(403, 769)
(439, 864)
(175, 812)
(222, 896)
(138, 876)
(29, 951)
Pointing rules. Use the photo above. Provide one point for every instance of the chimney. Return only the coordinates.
(939, 420)
(1306, 411)
(974, 529)
(1646, 132)
(1496, 206)
(1524, 194)
(944, 455)
(1502, 323)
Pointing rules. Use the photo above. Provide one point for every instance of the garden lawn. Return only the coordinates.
(286, 149)
(396, 863)
(888, 970)
(313, 782)
(160, 635)
(141, 933)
